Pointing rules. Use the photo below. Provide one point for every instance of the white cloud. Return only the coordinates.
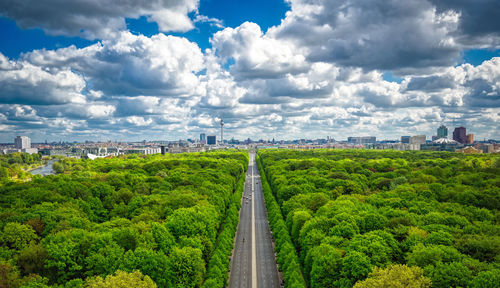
(320, 72)
(255, 55)
(139, 121)
(97, 19)
(131, 65)
(24, 83)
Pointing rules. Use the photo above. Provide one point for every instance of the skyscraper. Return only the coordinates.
(470, 138)
(460, 135)
(211, 140)
(221, 132)
(442, 132)
(203, 138)
(22, 142)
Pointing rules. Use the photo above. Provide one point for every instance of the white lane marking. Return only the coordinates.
(254, 256)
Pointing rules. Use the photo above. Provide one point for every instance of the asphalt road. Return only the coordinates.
(253, 263)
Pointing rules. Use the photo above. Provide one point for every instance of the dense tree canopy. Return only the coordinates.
(368, 218)
(14, 165)
(131, 221)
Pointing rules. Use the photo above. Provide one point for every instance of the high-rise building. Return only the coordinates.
(442, 132)
(203, 138)
(405, 139)
(419, 139)
(211, 140)
(22, 142)
(470, 138)
(221, 132)
(362, 140)
(460, 135)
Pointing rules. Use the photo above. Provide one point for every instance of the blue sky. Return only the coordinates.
(232, 14)
(170, 70)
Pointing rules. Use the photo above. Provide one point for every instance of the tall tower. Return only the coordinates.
(221, 131)
(460, 135)
(22, 142)
(442, 132)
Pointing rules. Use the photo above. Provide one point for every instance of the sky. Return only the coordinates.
(170, 69)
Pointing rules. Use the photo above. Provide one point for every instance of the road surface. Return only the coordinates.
(253, 263)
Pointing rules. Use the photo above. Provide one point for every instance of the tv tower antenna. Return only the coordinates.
(221, 131)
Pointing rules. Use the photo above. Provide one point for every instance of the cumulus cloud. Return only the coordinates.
(97, 19)
(472, 86)
(373, 35)
(319, 73)
(255, 55)
(131, 65)
(478, 25)
(24, 83)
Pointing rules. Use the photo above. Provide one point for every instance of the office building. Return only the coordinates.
(470, 138)
(203, 138)
(362, 140)
(419, 139)
(221, 132)
(487, 148)
(460, 135)
(211, 140)
(405, 139)
(442, 132)
(22, 142)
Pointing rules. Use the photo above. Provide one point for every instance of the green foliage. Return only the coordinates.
(454, 274)
(32, 259)
(486, 279)
(14, 166)
(434, 211)
(287, 259)
(169, 217)
(355, 266)
(185, 267)
(18, 236)
(395, 276)
(218, 267)
(327, 264)
(121, 279)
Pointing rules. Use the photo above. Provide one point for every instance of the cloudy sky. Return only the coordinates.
(169, 69)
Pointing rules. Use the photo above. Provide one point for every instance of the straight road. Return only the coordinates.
(253, 263)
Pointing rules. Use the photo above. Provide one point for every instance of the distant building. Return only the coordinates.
(488, 148)
(52, 152)
(203, 138)
(362, 140)
(146, 151)
(211, 140)
(460, 135)
(22, 142)
(442, 132)
(419, 139)
(405, 139)
(441, 144)
(470, 138)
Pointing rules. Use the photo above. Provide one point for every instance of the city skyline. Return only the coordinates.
(271, 69)
(441, 132)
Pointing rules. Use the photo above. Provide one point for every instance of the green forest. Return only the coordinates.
(14, 165)
(155, 221)
(364, 218)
